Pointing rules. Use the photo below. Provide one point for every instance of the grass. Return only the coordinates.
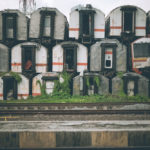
(80, 99)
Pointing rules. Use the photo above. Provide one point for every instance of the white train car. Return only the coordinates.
(128, 21)
(70, 56)
(86, 23)
(48, 23)
(44, 78)
(13, 25)
(4, 58)
(140, 50)
(11, 89)
(29, 57)
(108, 55)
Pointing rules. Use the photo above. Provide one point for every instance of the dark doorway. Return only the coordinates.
(87, 25)
(69, 59)
(9, 88)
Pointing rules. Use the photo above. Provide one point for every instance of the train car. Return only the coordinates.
(29, 58)
(140, 50)
(4, 58)
(48, 24)
(108, 55)
(126, 22)
(13, 26)
(11, 89)
(90, 83)
(148, 24)
(86, 24)
(131, 84)
(45, 79)
(70, 56)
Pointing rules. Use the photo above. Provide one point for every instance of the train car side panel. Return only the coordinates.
(57, 65)
(99, 25)
(74, 25)
(140, 26)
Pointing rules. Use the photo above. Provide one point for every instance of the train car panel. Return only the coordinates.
(108, 55)
(29, 57)
(47, 23)
(99, 25)
(115, 23)
(11, 89)
(23, 88)
(86, 23)
(140, 28)
(141, 53)
(4, 58)
(57, 59)
(74, 25)
(36, 91)
(70, 56)
(126, 22)
(13, 25)
(46, 79)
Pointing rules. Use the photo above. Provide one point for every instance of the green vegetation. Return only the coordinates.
(80, 99)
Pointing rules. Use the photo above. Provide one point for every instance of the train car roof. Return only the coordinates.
(87, 7)
(142, 40)
(125, 6)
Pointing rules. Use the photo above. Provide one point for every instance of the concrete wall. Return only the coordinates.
(4, 58)
(21, 24)
(96, 55)
(103, 139)
(59, 24)
(58, 62)
(41, 53)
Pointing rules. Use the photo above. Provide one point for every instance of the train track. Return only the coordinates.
(82, 148)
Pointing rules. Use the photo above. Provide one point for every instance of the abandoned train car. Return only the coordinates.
(108, 55)
(29, 58)
(48, 24)
(4, 58)
(86, 24)
(131, 84)
(70, 56)
(141, 54)
(46, 79)
(126, 22)
(13, 26)
(11, 89)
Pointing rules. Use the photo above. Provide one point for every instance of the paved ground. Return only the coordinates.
(124, 125)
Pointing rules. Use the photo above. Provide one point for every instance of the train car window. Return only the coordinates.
(141, 50)
(28, 59)
(70, 57)
(87, 25)
(128, 21)
(9, 27)
(47, 26)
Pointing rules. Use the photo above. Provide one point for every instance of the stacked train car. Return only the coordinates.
(103, 56)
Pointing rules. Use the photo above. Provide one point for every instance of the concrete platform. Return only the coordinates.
(53, 134)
